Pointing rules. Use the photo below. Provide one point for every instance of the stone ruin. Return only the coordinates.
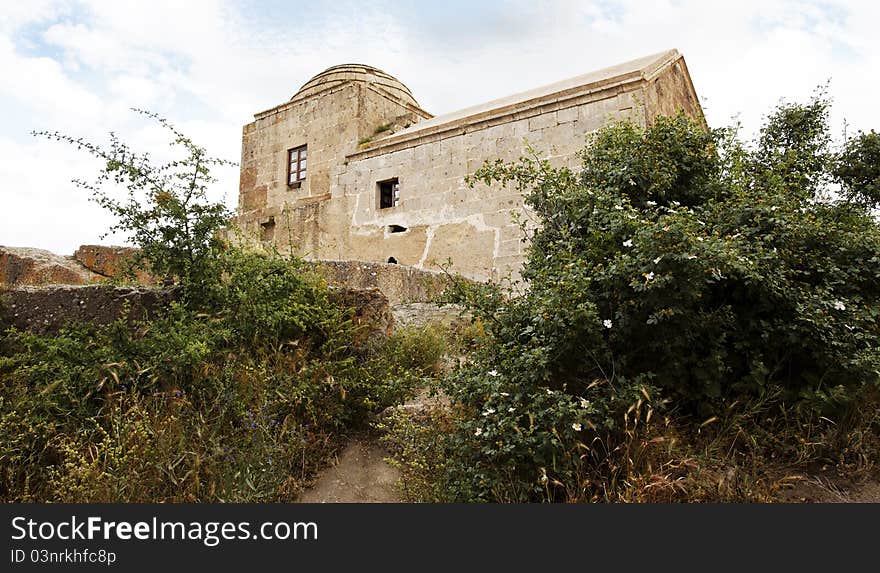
(352, 168)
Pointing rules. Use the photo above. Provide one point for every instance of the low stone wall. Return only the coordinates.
(92, 264)
(401, 284)
(45, 309)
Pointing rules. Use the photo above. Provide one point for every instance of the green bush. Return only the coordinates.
(678, 263)
(241, 403)
(858, 169)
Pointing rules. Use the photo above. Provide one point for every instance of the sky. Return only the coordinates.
(78, 66)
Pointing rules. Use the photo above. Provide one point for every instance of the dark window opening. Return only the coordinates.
(392, 260)
(396, 229)
(267, 229)
(296, 166)
(389, 193)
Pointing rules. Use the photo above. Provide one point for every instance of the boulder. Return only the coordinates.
(27, 266)
(111, 261)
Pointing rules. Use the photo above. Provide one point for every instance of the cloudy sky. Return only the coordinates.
(209, 65)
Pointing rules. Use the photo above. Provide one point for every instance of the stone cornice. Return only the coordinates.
(521, 107)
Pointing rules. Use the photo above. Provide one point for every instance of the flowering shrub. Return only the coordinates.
(678, 262)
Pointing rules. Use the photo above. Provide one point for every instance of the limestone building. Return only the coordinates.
(352, 168)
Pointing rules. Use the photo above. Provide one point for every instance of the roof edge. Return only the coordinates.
(547, 95)
(626, 73)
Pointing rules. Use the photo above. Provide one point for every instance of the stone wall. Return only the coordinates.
(401, 284)
(93, 264)
(45, 309)
(445, 219)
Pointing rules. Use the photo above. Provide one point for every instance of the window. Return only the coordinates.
(389, 193)
(296, 166)
(267, 229)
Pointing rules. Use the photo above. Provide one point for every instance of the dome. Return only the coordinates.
(338, 75)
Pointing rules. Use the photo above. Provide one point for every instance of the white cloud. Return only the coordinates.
(41, 85)
(40, 206)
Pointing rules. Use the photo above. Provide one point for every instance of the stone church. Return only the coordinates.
(352, 168)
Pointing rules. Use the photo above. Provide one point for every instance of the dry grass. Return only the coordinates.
(757, 452)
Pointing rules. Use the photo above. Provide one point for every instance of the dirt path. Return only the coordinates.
(816, 489)
(360, 475)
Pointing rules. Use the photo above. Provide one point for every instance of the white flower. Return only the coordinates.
(489, 412)
(505, 394)
(839, 305)
(651, 203)
(511, 409)
(549, 392)
(607, 323)
(649, 276)
(628, 243)
(657, 260)
(691, 256)
(701, 239)
(479, 432)
(585, 403)
(576, 427)
(493, 373)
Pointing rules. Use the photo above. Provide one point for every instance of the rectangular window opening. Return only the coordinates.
(389, 193)
(267, 230)
(296, 166)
